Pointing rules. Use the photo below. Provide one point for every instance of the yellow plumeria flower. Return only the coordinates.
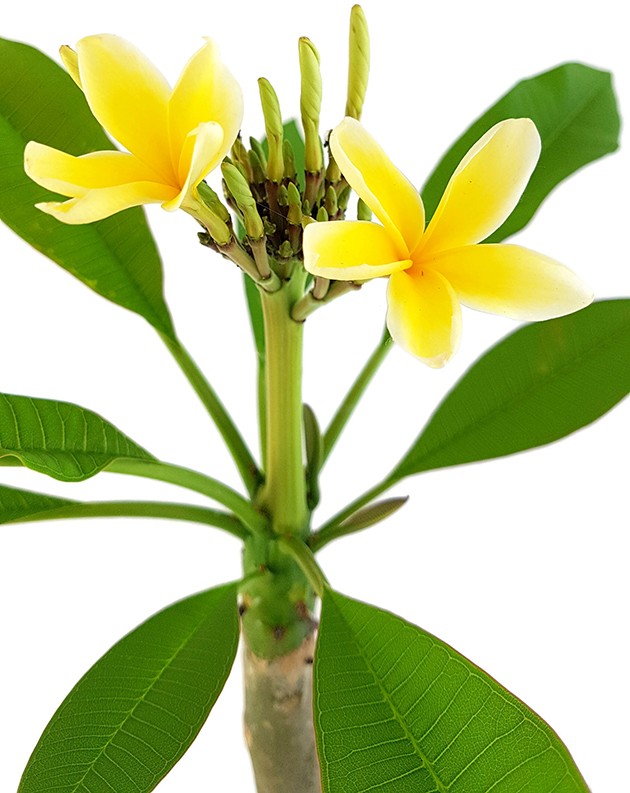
(431, 271)
(173, 137)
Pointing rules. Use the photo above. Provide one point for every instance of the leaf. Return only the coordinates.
(541, 383)
(59, 439)
(115, 257)
(575, 110)
(373, 513)
(398, 710)
(314, 450)
(16, 503)
(137, 710)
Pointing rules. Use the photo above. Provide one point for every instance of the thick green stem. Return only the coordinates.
(240, 453)
(283, 495)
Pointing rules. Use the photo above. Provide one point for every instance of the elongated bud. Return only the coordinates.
(359, 62)
(256, 147)
(273, 128)
(310, 104)
(213, 202)
(330, 201)
(363, 211)
(258, 172)
(239, 190)
(294, 214)
(290, 171)
(71, 61)
(212, 214)
(241, 158)
(322, 215)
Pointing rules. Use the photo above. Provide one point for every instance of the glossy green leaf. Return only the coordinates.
(575, 110)
(16, 503)
(137, 710)
(59, 439)
(400, 711)
(541, 383)
(115, 257)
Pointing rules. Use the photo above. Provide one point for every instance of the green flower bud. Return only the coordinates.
(240, 192)
(310, 104)
(330, 201)
(359, 62)
(290, 171)
(213, 202)
(294, 215)
(322, 215)
(274, 130)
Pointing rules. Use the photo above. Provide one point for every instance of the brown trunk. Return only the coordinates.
(279, 721)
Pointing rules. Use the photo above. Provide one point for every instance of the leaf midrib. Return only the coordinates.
(440, 785)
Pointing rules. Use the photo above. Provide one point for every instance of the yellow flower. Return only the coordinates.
(431, 271)
(173, 137)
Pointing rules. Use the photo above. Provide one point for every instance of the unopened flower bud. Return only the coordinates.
(359, 62)
(274, 130)
(310, 104)
(242, 195)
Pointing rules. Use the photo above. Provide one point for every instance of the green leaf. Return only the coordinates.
(575, 110)
(541, 383)
(115, 257)
(398, 710)
(137, 710)
(59, 439)
(16, 503)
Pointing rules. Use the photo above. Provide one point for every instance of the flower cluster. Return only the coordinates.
(173, 138)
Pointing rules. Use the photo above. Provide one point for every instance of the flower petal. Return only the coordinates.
(373, 176)
(513, 281)
(205, 91)
(129, 97)
(203, 152)
(350, 250)
(103, 202)
(423, 315)
(485, 187)
(74, 176)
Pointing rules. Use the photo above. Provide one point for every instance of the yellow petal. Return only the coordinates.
(485, 187)
(203, 152)
(513, 281)
(350, 250)
(129, 97)
(101, 203)
(74, 176)
(205, 91)
(373, 176)
(423, 315)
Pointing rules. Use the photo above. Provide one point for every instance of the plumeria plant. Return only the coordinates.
(340, 695)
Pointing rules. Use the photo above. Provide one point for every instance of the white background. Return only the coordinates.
(521, 563)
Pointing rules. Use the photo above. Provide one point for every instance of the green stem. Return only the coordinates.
(256, 522)
(355, 393)
(240, 453)
(331, 529)
(143, 509)
(284, 492)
